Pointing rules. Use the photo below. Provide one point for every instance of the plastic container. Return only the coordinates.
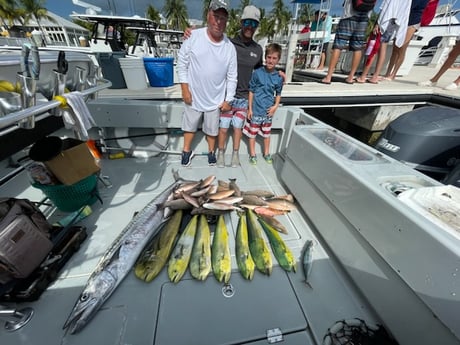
(134, 73)
(71, 198)
(160, 71)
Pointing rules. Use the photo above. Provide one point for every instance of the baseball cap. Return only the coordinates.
(214, 5)
(251, 12)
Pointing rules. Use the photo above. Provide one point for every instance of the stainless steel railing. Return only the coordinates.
(11, 121)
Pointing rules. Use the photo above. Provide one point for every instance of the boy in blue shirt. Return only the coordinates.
(264, 98)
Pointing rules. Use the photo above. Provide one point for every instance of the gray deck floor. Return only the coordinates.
(130, 315)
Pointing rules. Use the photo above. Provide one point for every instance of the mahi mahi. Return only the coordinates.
(257, 245)
(180, 257)
(154, 256)
(281, 251)
(243, 255)
(200, 262)
(118, 260)
(220, 252)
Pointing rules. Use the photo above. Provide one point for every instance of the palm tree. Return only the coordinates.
(243, 4)
(306, 13)
(204, 14)
(281, 15)
(233, 25)
(36, 9)
(153, 14)
(9, 12)
(176, 14)
(266, 26)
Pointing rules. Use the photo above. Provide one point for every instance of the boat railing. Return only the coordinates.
(12, 121)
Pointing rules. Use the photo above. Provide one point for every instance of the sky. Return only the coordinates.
(64, 8)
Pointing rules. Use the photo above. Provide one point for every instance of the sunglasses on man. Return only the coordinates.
(250, 22)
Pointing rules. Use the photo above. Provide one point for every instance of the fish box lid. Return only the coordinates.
(200, 313)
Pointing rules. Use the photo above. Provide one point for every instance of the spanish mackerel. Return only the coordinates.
(119, 260)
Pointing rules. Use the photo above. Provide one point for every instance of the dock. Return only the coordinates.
(362, 110)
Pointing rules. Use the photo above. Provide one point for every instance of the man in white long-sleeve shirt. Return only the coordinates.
(207, 70)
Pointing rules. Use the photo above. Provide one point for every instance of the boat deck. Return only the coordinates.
(190, 312)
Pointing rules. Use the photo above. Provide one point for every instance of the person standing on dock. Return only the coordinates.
(265, 89)
(350, 34)
(207, 71)
(398, 54)
(392, 22)
(325, 24)
(453, 54)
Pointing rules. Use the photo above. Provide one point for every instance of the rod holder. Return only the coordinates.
(28, 87)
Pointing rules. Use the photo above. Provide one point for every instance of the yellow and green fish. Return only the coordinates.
(200, 262)
(282, 253)
(180, 257)
(221, 259)
(243, 255)
(257, 245)
(154, 257)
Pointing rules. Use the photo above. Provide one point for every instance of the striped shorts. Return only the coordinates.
(236, 116)
(261, 125)
(351, 33)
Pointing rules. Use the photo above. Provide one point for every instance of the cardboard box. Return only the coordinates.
(73, 163)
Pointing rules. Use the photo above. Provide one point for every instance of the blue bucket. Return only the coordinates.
(160, 71)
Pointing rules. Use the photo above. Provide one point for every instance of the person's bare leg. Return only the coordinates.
(237, 135)
(252, 147)
(222, 138)
(380, 62)
(330, 71)
(367, 67)
(391, 63)
(448, 63)
(354, 65)
(402, 52)
(188, 138)
(211, 142)
(266, 146)
(322, 61)
(457, 81)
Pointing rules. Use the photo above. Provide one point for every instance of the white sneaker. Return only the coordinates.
(451, 86)
(427, 83)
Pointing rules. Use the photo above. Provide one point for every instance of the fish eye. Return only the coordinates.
(84, 297)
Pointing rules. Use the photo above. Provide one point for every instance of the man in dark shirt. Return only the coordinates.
(249, 56)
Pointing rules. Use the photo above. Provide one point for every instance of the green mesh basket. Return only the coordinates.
(71, 198)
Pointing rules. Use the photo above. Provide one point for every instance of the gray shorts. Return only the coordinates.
(192, 118)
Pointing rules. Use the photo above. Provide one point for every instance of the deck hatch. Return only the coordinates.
(197, 312)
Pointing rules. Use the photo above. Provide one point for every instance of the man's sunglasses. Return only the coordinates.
(249, 22)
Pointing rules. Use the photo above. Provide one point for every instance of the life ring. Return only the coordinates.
(145, 145)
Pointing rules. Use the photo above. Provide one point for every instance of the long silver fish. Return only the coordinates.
(118, 260)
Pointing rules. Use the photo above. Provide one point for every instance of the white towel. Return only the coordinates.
(79, 118)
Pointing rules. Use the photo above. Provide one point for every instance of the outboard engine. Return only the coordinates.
(427, 139)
